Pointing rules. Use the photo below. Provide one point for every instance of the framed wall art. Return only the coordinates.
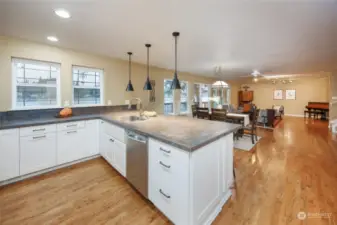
(278, 94)
(291, 94)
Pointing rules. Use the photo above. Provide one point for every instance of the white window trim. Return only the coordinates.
(14, 85)
(85, 68)
(187, 99)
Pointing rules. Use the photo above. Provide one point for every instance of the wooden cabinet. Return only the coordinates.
(9, 154)
(37, 152)
(245, 97)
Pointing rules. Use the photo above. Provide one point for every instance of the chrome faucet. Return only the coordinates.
(140, 105)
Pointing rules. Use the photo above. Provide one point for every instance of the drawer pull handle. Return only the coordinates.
(39, 137)
(72, 125)
(163, 164)
(164, 150)
(112, 140)
(70, 132)
(42, 129)
(165, 195)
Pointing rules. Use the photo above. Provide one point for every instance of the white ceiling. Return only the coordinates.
(272, 36)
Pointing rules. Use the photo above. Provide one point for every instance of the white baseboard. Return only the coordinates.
(294, 115)
(218, 209)
(23, 177)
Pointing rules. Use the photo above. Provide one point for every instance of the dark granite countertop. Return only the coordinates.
(180, 131)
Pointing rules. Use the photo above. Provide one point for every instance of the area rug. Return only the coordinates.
(245, 143)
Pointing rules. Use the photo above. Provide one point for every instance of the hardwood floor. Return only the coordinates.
(290, 170)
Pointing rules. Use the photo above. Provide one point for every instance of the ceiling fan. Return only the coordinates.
(255, 75)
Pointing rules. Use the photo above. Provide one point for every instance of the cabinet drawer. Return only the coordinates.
(162, 197)
(70, 126)
(113, 131)
(9, 132)
(35, 130)
(167, 154)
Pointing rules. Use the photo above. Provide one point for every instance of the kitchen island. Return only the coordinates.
(190, 161)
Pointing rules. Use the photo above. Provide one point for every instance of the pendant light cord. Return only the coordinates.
(176, 55)
(129, 66)
(148, 66)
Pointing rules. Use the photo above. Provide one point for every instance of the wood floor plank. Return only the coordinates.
(291, 169)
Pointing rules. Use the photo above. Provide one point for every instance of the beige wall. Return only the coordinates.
(115, 72)
(313, 89)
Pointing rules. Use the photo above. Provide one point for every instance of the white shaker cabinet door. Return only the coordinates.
(120, 157)
(9, 154)
(37, 152)
(91, 138)
(70, 146)
(106, 147)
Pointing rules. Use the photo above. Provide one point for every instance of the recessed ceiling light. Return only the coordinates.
(62, 13)
(255, 79)
(52, 38)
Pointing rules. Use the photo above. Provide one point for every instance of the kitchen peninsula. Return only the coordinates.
(190, 161)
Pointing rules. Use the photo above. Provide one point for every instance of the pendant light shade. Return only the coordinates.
(129, 87)
(147, 85)
(175, 82)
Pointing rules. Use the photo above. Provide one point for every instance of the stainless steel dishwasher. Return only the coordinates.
(137, 161)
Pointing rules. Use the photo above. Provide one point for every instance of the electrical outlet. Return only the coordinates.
(66, 103)
(109, 102)
(127, 102)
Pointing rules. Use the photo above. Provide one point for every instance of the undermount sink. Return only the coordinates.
(135, 118)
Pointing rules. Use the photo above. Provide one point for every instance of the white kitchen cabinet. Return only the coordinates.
(77, 140)
(112, 149)
(70, 146)
(190, 188)
(119, 157)
(37, 152)
(9, 154)
(91, 138)
(112, 130)
(37, 130)
(169, 180)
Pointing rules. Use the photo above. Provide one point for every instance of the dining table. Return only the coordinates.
(244, 117)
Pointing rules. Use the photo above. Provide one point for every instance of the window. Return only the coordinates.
(87, 86)
(35, 84)
(168, 97)
(184, 97)
(201, 97)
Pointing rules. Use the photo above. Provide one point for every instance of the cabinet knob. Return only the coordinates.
(112, 140)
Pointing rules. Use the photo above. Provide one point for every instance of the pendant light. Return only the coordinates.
(148, 86)
(175, 82)
(129, 87)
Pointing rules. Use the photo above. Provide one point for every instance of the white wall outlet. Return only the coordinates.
(66, 103)
(127, 102)
(109, 102)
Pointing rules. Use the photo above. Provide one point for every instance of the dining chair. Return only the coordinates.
(251, 128)
(203, 113)
(194, 110)
(218, 114)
